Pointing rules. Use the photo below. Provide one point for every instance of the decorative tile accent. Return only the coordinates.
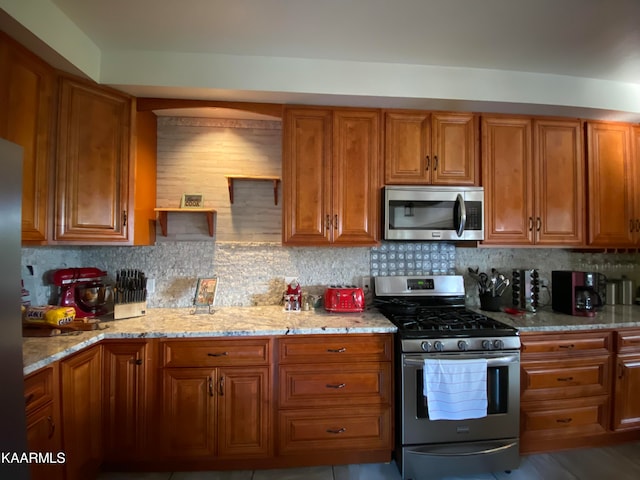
(413, 258)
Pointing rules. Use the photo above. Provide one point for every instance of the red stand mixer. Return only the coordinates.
(82, 289)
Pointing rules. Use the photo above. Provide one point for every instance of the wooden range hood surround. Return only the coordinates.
(151, 104)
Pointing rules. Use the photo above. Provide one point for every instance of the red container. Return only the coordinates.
(344, 299)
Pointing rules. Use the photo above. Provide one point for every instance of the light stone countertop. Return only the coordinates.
(546, 320)
(38, 352)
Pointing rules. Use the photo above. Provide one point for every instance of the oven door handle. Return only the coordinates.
(491, 362)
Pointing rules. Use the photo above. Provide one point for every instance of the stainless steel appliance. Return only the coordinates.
(433, 213)
(525, 288)
(575, 293)
(433, 322)
(12, 416)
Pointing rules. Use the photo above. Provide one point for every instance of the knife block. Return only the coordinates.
(129, 310)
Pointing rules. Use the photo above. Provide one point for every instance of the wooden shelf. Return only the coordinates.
(233, 178)
(163, 214)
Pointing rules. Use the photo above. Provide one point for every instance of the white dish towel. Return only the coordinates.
(455, 389)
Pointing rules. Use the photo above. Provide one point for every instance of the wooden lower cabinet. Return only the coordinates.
(81, 387)
(627, 383)
(126, 404)
(211, 413)
(43, 423)
(335, 399)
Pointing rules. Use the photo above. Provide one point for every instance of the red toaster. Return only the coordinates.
(344, 298)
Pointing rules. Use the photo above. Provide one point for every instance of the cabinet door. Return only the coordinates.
(26, 117)
(81, 379)
(611, 185)
(626, 413)
(455, 149)
(506, 176)
(92, 177)
(306, 177)
(188, 412)
(559, 182)
(43, 435)
(125, 406)
(355, 179)
(407, 152)
(244, 412)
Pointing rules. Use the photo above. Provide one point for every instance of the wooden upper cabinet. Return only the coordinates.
(355, 177)
(26, 118)
(559, 180)
(613, 215)
(92, 178)
(306, 178)
(431, 148)
(507, 170)
(331, 179)
(534, 181)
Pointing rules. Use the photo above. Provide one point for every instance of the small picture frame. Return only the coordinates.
(192, 200)
(206, 292)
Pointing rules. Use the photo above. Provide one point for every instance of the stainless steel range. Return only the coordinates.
(434, 325)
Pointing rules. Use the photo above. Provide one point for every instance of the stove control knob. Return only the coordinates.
(463, 345)
(486, 344)
(426, 346)
(498, 344)
(439, 346)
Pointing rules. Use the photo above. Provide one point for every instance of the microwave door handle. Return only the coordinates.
(462, 215)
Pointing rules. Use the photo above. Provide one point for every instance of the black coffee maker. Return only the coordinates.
(576, 293)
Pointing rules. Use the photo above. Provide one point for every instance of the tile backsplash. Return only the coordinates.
(252, 273)
(413, 258)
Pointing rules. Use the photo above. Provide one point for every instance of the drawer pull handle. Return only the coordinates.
(138, 361)
(221, 386)
(210, 381)
(564, 420)
(52, 426)
(567, 346)
(565, 379)
(338, 431)
(28, 399)
(336, 350)
(221, 354)
(339, 385)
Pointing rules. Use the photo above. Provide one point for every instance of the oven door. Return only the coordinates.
(503, 395)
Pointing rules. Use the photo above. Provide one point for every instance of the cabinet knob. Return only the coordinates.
(138, 361)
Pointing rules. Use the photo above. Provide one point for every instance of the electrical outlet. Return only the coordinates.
(151, 285)
(365, 283)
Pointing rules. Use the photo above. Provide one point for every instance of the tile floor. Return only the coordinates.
(620, 463)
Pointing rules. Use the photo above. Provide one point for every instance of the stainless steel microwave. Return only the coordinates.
(433, 213)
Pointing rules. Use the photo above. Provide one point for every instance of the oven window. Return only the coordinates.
(421, 215)
(497, 391)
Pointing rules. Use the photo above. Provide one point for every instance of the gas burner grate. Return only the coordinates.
(447, 321)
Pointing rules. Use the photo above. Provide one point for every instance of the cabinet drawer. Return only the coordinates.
(335, 348)
(628, 341)
(211, 353)
(567, 343)
(324, 385)
(39, 388)
(304, 431)
(568, 419)
(566, 378)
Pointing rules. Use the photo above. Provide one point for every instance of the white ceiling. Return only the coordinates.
(584, 38)
(588, 47)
